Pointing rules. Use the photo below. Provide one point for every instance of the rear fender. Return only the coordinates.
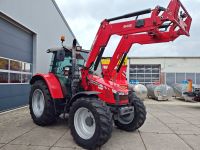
(52, 83)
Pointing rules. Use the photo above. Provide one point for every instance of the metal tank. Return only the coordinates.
(140, 90)
(179, 89)
(160, 92)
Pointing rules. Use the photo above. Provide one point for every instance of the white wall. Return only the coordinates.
(42, 18)
(181, 64)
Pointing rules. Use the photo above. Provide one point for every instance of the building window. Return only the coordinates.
(180, 77)
(147, 80)
(4, 63)
(191, 76)
(148, 76)
(148, 70)
(3, 77)
(132, 70)
(26, 67)
(197, 78)
(170, 78)
(155, 76)
(134, 76)
(15, 65)
(14, 71)
(155, 69)
(15, 78)
(140, 76)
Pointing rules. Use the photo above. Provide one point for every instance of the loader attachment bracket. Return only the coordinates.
(179, 16)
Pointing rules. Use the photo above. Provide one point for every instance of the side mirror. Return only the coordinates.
(60, 55)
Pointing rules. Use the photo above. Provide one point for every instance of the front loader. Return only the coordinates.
(92, 98)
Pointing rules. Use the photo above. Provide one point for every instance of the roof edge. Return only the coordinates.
(63, 18)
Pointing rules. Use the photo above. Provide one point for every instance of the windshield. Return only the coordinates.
(60, 66)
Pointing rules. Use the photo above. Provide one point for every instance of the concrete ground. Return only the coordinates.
(172, 125)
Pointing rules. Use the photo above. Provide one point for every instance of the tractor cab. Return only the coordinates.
(61, 65)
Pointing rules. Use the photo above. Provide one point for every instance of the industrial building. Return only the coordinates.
(166, 70)
(27, 29)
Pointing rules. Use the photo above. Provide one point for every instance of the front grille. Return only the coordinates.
(123, 97)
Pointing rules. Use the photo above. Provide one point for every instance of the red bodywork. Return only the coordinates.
(106, 89)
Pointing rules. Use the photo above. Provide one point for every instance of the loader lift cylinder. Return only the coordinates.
(133, 14)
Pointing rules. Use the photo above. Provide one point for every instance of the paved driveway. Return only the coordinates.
(173, 125)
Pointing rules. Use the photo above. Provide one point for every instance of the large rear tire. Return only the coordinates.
(41, 104)
(90, 122)
(135, 120)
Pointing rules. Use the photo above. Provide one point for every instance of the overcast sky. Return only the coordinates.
(84, 17)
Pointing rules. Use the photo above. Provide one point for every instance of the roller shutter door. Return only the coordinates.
(144, 74)
(16, 49)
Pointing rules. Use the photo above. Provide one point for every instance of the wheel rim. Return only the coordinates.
(38, 103)
(84, 123)
(126, 119)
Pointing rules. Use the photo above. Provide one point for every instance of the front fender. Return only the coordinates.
(82, 94)
(52, 83)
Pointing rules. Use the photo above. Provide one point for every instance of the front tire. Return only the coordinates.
(135, 120)
(90, 122)
(41, 104)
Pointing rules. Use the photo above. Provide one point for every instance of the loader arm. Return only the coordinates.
(163, 25)
(126, 43)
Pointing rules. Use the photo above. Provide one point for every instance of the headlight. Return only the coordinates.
(121, 93)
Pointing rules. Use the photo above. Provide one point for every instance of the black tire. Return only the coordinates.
(139, 115)
(48, 116)
(103, 122)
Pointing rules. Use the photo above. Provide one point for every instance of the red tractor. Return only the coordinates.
(92, 98)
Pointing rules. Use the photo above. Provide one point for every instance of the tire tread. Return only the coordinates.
(48, 117)
(105, 118)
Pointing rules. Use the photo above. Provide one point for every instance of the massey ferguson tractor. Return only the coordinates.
(92, 98)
